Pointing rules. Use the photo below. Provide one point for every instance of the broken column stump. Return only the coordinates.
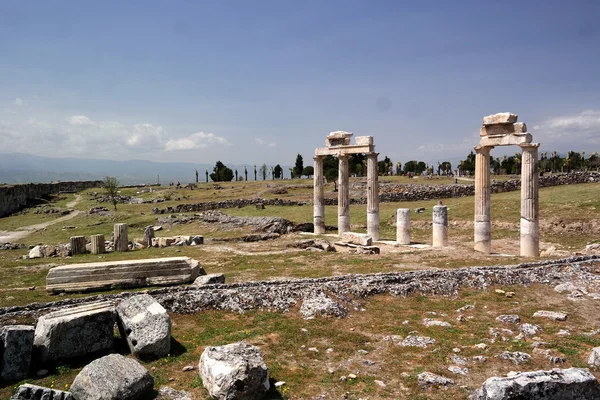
(77, 245)
(97, 244)
(120, 237)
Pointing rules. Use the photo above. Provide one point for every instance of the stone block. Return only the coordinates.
(166, 241)
(339, 135)
(122, 274)
(76, 331)
(594, 357)
(145, 325)
(16, 346)
(33, 392)
(508, 140)
(209, 279)
(503, 129)
(364, 140)
(112, 377)
(500, 118)
(338, 138)
(234, 371)
(357, 238)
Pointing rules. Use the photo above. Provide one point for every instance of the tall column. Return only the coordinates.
(343, 196)
(403, 226)
(318, 197)
(372, 196)
(483, 228)
(440, 226)
(121, 241)
(530, 230)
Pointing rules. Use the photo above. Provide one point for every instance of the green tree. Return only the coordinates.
(278, 172)
(297, 172)
(308, 171)
(111, 185)
(468, 164)
(330, 168)
(221, 173)
(332, 176)
(385, 166)
(263, 171)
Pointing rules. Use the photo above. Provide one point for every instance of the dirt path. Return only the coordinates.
(20, 233)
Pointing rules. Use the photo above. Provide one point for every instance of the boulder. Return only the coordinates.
(36, 252)
(594, 358)
(112, 377)
(76, 331)
(319, 304)
(357, 238)
(34, 392)
(234, 371)
(517, 357)
(509, 319)
(146, 326)
(209, 279)
(16, 343)
(557, 316)
(557, 384)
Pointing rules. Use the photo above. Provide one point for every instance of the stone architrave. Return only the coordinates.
(319, 197)
(145, 325)
(75, 332)
(77, 245)
(97, 244)
(17, 344)
(483, 227)
(403, 226)
(530, 234)
(343, 195)
(372, 196)
(120, 237)
(440, 226)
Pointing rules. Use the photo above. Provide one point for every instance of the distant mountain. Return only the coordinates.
(25, 168)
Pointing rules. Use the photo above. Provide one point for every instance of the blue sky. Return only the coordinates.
(259, 81)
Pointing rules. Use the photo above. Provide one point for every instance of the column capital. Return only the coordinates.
(343, 156)
(318, 158)
(372, 153)
(483, 149)
(529, 146)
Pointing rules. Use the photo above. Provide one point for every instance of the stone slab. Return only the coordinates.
(500, 118)
(209, 279)
(28, 391)
(75, 332)
(506, 140)
(357, 238)
(17, 345)
(122, 274)
(339, 135)
(503, 129)
(344, 150)
(145, 325)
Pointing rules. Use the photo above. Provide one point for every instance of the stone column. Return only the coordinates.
(343, 196)
(440, 226)
(121, 240)
(403, 226)
(372, 196)
(483, 228)
(97, 244)
(77, 245)
(530, 231)
(318, 197)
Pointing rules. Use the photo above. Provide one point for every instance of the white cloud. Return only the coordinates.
(18, 102)
(583, 128)
(199, 140)
(80, 120)
(264, 142)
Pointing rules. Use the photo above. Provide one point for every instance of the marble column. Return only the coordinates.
(530, 231)
(483, 228)
(403, 226)
(319, 197)
(343, 196)
(372, 196)
(440, 226)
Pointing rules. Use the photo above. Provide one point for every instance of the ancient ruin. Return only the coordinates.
(338, 144)
(503, 130)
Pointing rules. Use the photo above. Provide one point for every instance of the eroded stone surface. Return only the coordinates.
(33, 392)
(594, 358)
(209, 279)
(509, 318)
(319, 304)
(500, 118)
(428, 380)
(16, 347)
(361, 239)
(557, 316)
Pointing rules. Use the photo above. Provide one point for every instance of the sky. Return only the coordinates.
(252, 82)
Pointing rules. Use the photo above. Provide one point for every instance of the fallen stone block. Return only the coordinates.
(165, 241)
(36, 252)
(76, 331)
(356, 248)
(122, 274)
(234, 371)
(500, 118)
(357, 238)
(428, 380)
(145, 325)
(594, 358)
(16, 343)
(557, 316)
(112, 377)
(209, 279)
(556, 384)
(33, 392)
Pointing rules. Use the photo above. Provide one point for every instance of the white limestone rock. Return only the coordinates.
(75, 332)
(417, 341)
(556, 384)
(361, 239)
(319, 304)
(36, 252)
(234, 371)
(146, 326)
(16, 342)
(500, 118)
(594, 358)
(516, 357)
(209, 279)
(167, 393)
(428, 322)
(509, 318)
(428, 380)
(112, 377)
(557, 316)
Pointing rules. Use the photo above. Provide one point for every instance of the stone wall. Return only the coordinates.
(218, 205)
(14, 197)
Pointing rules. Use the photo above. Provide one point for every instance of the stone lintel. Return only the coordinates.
(339, 135)
(500, 118)
(333, 142)
(503, 129)
(505, 140)
(344, 150)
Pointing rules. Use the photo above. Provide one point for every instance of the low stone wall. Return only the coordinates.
(217, 205)
(15, 197)
(281, 295)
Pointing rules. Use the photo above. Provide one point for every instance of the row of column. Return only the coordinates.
(529, 226)
(344, 196)
(439, 231)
